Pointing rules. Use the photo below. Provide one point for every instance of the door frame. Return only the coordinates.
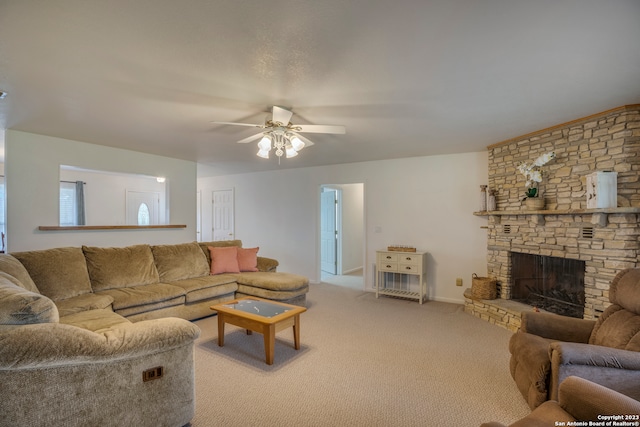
(366, 273)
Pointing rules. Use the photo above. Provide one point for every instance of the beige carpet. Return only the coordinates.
(363, 362)
(352, 280)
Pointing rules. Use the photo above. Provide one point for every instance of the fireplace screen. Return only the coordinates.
(549, 283)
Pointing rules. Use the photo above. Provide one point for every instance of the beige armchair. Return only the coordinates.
(580, 400)
(549, 348)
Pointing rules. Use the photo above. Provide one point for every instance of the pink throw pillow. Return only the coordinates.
(248, 259)
(224, 259)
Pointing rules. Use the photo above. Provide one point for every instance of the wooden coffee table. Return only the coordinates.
(260, 315)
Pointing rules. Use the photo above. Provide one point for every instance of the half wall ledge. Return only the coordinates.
(107, 227)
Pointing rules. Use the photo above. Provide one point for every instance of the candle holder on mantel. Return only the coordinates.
(483, 198)
(491, 200)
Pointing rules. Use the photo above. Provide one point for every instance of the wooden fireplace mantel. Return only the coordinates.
(626, 210)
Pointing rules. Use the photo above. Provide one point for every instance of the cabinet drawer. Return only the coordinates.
(409, 259)
(387, 257)
(408, 268)
(388, 266)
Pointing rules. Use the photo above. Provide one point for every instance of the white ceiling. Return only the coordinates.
(406, 77)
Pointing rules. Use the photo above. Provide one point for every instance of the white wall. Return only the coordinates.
(32, 165)
(427, 202)
(352, 227)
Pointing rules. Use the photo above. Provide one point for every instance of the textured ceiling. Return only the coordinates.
(406, 77)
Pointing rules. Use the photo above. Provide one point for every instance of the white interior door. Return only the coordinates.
(223, 211)
(143, 207)
(328, 232)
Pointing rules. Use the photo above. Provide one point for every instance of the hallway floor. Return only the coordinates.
(353, 280)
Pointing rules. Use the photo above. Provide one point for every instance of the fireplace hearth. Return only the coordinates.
(549, 283)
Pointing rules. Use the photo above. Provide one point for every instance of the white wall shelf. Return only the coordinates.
(107, 227)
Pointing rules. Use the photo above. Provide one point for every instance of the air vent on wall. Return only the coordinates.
(587, 233)
(506, 228)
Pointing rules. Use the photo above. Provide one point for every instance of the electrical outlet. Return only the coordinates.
(459, 281)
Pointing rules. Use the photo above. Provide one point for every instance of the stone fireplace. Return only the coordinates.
(604, 240)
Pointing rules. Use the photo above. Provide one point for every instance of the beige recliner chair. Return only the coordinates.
(580, 400)
(549, 348)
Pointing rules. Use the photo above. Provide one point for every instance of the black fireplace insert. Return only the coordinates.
(549, 283)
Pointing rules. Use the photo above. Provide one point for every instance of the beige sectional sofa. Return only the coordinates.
(100, 336)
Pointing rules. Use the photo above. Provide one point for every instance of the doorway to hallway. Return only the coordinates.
(342, 235)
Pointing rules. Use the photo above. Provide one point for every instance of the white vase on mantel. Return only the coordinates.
(534, 203)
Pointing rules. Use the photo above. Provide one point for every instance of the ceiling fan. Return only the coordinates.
(278, 132)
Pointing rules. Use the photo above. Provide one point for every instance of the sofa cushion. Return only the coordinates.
(617, 328)
(200, 288)
(177, 262)
(112, 268)
(224, 259)
(10, 265)
(273, 281)
(58, 273)
(145, 295)
(19, 306)
(98, 320)
(270, 294)
(84, 302)
(267, 264)
(248, 259)
(218, 244)
(624, 290)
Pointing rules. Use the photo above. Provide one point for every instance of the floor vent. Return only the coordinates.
(587, 233)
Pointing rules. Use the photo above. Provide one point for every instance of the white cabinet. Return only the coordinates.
(394, 271)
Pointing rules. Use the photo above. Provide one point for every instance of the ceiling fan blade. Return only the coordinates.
(322, 129)
(251, 138)
(281, 115)
(238, 124)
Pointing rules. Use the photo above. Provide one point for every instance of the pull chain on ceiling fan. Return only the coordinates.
(283, 136)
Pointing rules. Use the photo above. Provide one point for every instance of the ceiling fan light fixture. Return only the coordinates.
(265, 143)
(281, 135)
(291, 152)
(296, 143)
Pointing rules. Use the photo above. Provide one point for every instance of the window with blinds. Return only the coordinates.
(68, 204)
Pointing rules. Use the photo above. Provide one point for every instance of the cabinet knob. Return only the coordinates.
(408, 258)
(408, 268)
(388, 257)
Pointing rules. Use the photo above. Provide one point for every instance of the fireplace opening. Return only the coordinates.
(549, 283)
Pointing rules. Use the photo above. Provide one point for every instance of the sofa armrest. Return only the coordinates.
(581, 400)
(55, 344)
(556, 327)
(267, 264)
(566, 353)
(586, 400)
